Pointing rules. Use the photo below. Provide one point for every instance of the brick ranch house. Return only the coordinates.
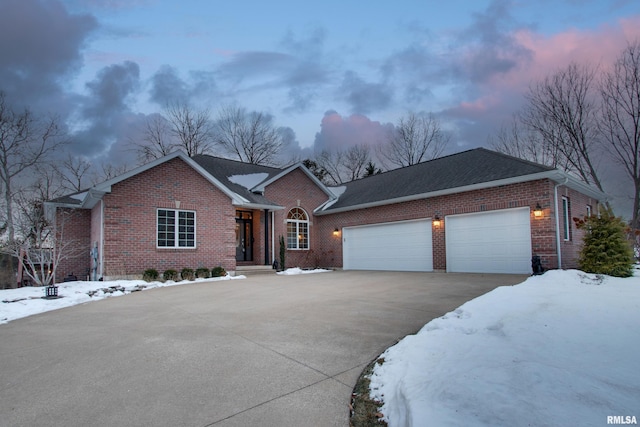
(475, 211)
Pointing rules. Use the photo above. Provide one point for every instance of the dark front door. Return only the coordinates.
(244, 236)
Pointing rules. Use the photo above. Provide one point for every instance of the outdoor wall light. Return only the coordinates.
(436, 221)
(336, 232)
(537, 212)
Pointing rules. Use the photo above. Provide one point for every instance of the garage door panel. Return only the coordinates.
(489, 242)
(402, 246)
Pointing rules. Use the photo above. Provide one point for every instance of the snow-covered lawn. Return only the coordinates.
(559, 349)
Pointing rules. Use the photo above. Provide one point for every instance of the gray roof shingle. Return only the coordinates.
(457, 170)
(222, 169)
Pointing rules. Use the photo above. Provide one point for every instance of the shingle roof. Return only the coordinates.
(222, 169)
(457, 170)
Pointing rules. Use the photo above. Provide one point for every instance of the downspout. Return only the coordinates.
(101, 269)
(266, 237)
(555, 200)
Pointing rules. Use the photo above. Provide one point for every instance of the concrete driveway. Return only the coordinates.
(268, 350)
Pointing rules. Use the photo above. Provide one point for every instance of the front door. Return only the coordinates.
(244, 236)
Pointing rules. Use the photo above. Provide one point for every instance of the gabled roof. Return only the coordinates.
(260, 187)
(240, 173)
(465, 171)
(216, 170)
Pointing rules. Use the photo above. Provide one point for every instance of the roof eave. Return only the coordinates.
(554, 175)
(259, 206)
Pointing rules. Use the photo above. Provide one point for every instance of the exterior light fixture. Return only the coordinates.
(336, 232)
(537, 212)
(436, 221)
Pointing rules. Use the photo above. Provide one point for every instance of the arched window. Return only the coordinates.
(297, 229)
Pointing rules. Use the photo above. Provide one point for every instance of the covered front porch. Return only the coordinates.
(254, 244)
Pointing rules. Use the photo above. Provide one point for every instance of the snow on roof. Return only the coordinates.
(248, 181)
(79, 196)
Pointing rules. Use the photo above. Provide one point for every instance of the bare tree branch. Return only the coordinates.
(563, 111)
(251, 137)
(415, 139)
(25, 141)
(192, 129)
(620, 124)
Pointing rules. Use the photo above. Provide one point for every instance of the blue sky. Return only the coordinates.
(335, 73)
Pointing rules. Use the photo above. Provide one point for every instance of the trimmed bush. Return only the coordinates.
(150, 275)
(187, 274)
(202, 273)
(605, 249)
(170, 275)
(218, 272)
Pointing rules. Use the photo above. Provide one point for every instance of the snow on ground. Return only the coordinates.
(559, 349)
(27, 301)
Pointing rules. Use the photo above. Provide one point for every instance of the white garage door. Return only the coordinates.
(489, 242)
(396, 246)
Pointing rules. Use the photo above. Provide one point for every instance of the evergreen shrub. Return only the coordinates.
(218, 272)
(170, 275)
(202, 273)
(605, 249)
(187, 274)
(150, 275)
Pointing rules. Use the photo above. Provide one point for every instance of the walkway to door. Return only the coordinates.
(267, 350)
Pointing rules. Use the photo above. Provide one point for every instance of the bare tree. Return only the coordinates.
(41, 245)
(340, 166)
(108, 171)
(191, 128)
(25, 141)
(562, 109)
(517, 140)
(156, 139)
(331, 163)
(620, 124)
(355, 161)
(72, 173)
(415, 139)
(251, 137)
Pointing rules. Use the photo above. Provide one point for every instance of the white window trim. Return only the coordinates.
(176, 228)
(297, 223)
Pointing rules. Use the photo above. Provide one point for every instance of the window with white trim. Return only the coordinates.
(566, 225)
(297, 229)
(176, 228)
(588, 211)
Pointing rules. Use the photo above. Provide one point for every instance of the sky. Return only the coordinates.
(332, 73)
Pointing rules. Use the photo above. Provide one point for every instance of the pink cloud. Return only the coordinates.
(598, 47)
(502, 92)
(338, 132)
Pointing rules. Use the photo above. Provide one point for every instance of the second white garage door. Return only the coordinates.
(394, 246)
(489, 242)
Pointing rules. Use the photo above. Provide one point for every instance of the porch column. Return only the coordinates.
(266, 237)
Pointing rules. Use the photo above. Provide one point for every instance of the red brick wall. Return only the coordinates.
(504, 197)
(74, 227)
(130, 222)
(296, 189)
(570, 249)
